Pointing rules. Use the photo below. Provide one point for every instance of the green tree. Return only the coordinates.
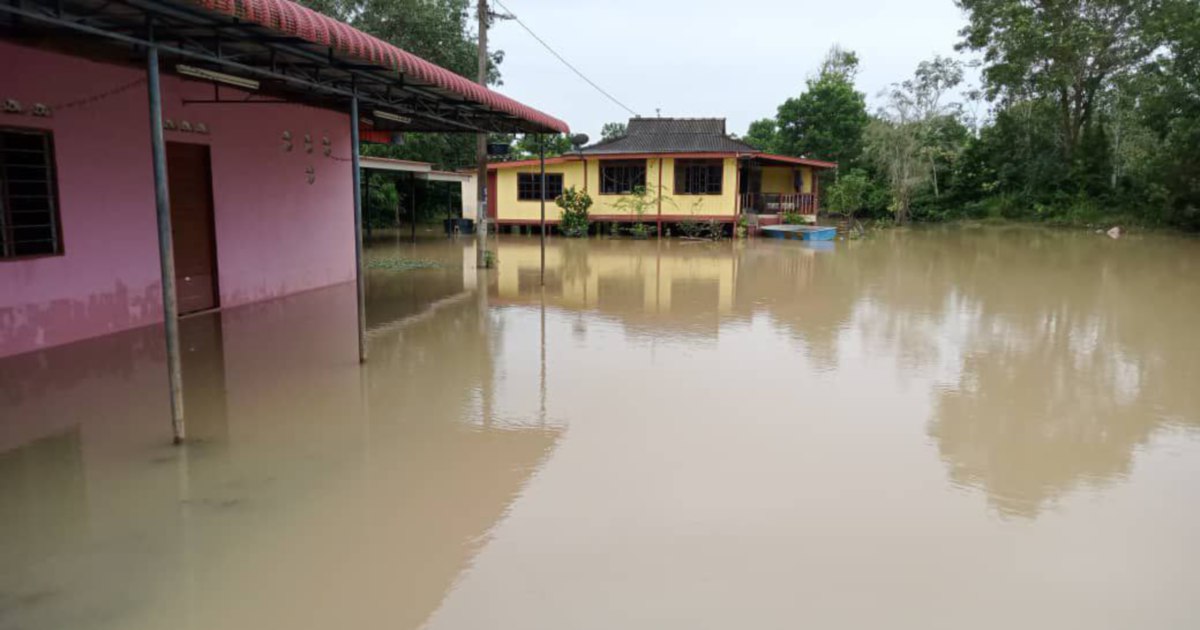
(437, 30)
(914, 132)
(612, 130)
(827, 121)
(383, 202)
(894, 147)
(1067, 51)
(848, 195)
(940, 129)
(1015, 163)
(762, 135)
(528, 145)
(1171, 111)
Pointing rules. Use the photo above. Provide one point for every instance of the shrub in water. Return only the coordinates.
(574, 204)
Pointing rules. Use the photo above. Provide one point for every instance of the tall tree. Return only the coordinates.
(612, 130)
(940, 127)
(528, 145)
(437, 30)
(826, 121)
(1067, 50)
(894, 147)
(762, 135)
(1171, 110)
(913, 129)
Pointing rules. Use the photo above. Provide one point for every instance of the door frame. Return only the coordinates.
(211, 224)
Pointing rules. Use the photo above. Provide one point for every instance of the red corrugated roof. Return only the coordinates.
(291, 19)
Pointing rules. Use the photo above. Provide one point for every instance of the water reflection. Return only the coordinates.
(308, 479)
(652, 287)
(698, 431)
(1076, 351)
(1050, 356)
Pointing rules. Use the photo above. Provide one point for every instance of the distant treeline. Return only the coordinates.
(1089, 112)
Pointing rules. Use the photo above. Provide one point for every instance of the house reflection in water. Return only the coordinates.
(684, 287)
(309, 480)
(748, 419)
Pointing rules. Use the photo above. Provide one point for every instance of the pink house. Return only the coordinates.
(257, 199)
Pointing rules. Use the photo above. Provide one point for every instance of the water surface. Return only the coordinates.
(951, 428)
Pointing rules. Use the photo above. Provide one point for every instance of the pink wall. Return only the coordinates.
(276, 233)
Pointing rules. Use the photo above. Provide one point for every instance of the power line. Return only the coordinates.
(564, 61)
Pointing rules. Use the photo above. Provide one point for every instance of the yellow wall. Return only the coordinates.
(508, 208)
(507, 205)
(779, 179)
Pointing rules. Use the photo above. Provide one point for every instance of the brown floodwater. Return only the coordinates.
(942, 428)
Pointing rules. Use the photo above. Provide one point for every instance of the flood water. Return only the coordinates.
(950, 428)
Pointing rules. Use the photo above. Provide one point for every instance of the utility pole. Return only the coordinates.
(542, 159)
(481, 226)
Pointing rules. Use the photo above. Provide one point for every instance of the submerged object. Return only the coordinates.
(800, 232)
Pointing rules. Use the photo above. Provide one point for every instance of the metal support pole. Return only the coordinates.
(412, 195)
(358, 224)
(166, 246)
(481, 226)
(542, 160)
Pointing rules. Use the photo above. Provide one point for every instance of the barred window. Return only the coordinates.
(698, 177)
(621, 177)
(28, 194)
(528, 185)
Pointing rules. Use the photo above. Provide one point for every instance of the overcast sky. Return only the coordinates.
(735, 59)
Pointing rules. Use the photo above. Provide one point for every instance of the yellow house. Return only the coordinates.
(690, 168)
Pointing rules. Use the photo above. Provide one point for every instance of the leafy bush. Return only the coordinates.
(710, 229)
(691, 229)
(574, 204)
(792, 218)
(639, 203)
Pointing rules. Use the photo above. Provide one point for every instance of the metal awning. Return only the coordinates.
(420, 170)
(449, 176)
(287, 51)
(389, 164)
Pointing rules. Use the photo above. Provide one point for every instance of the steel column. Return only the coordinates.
(358, 224)
(412, 195)
(542, 160)
(481, 211)
(166, 246)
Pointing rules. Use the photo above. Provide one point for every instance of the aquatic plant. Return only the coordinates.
(792, 218)
(402, 264)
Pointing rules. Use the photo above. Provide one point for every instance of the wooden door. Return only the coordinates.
(492, 201)
(189, 175)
